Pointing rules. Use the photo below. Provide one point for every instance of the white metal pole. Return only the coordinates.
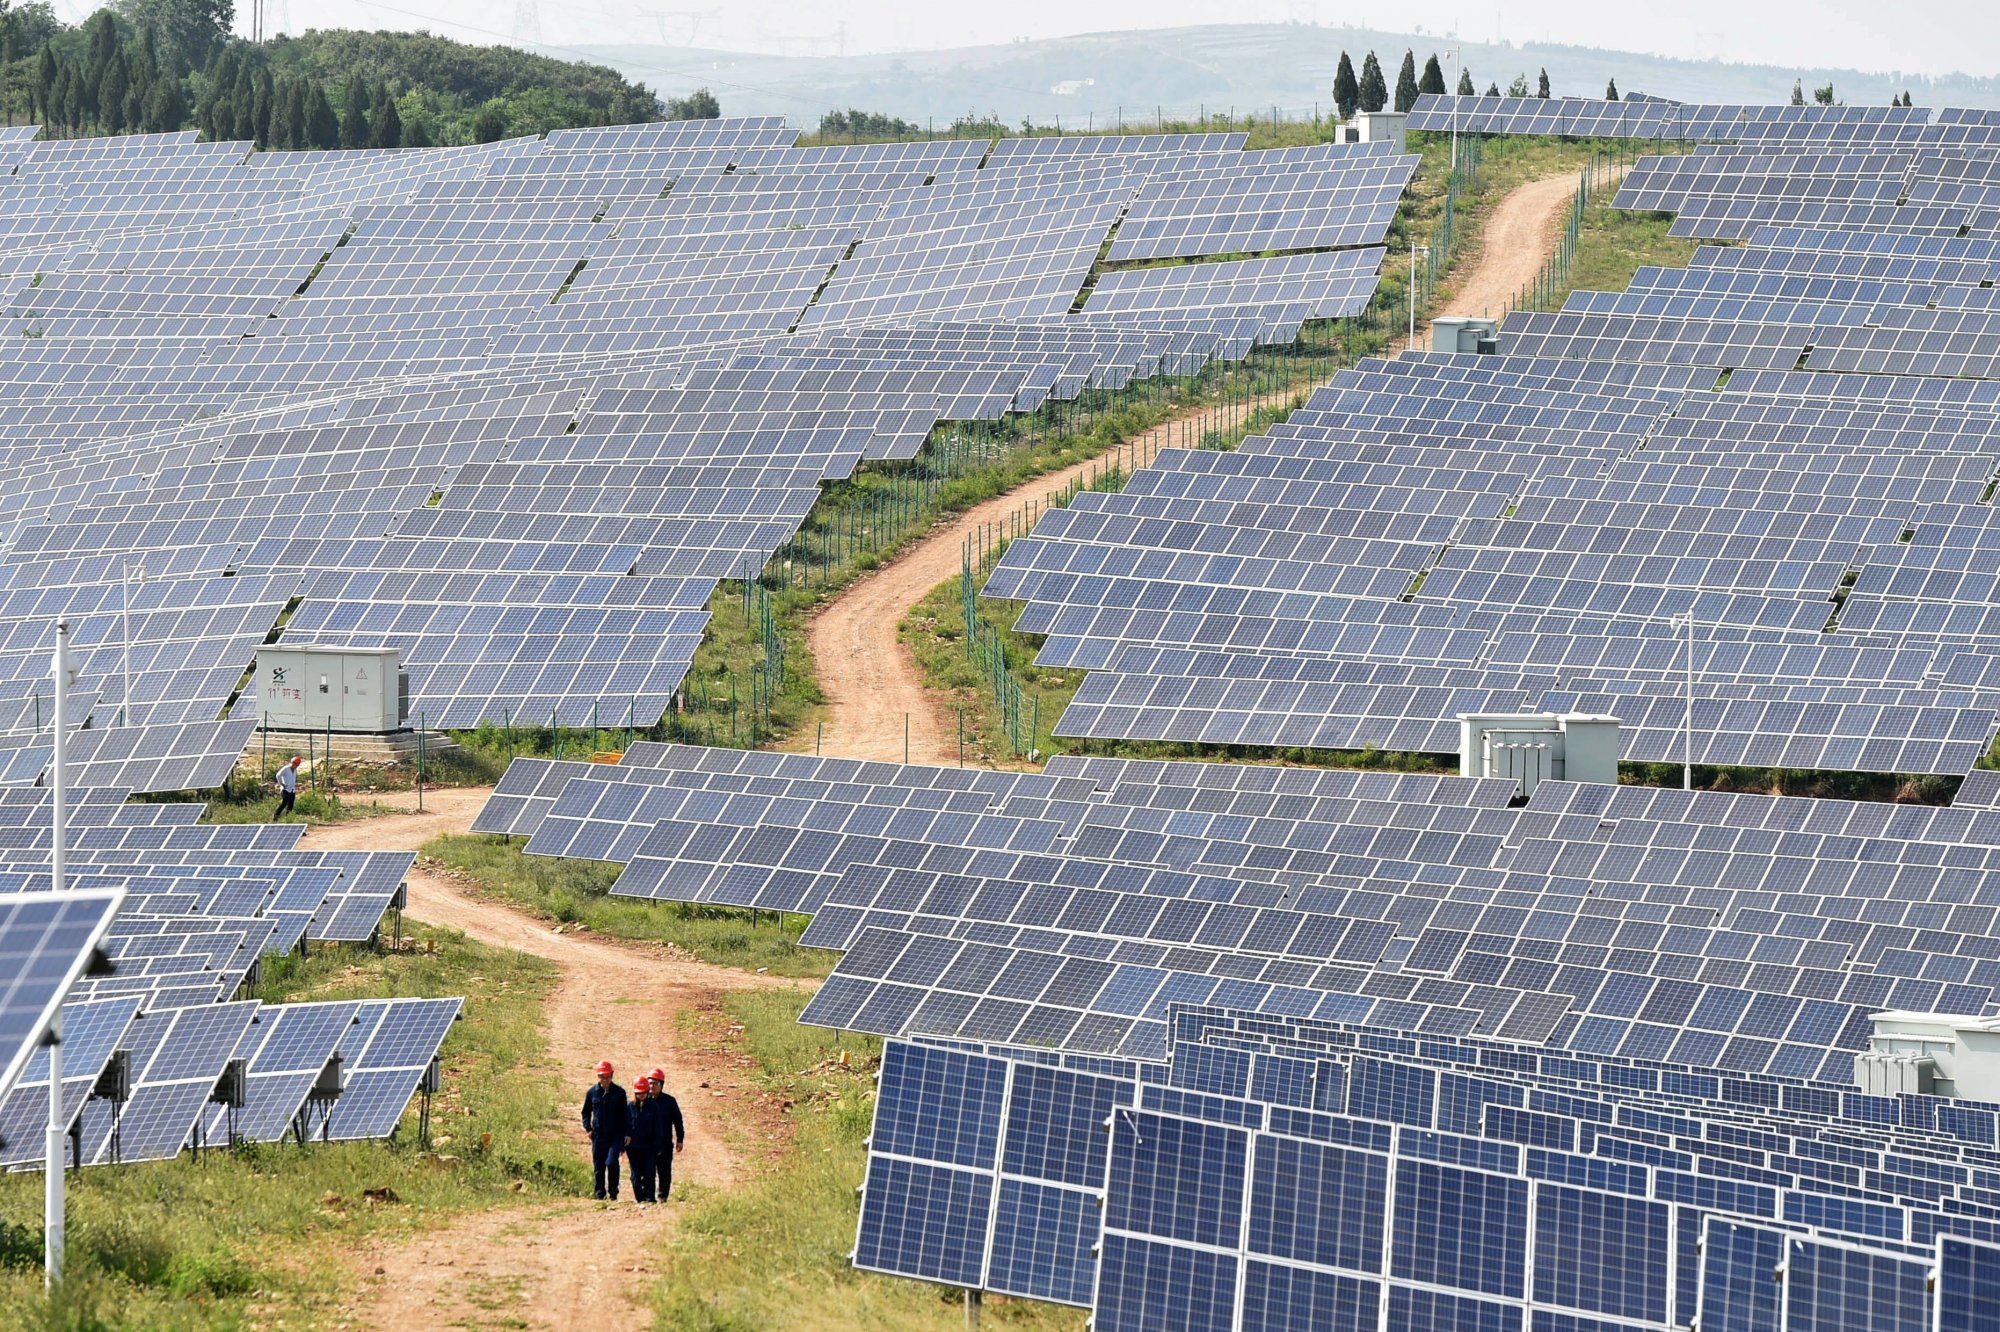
(52, 1164)
(1457, 64)
(125, 612)
(1687, 718)
(1413, 298)
(52, 1148)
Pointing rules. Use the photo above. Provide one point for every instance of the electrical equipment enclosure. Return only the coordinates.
(314, 687)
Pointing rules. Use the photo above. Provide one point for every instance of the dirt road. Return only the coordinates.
(874, 688)
(566, 1263)
(1516, 241)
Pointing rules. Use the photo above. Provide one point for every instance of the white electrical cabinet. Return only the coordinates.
(1535, 747)
(315, 688)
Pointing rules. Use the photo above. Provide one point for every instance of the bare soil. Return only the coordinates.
(562, 1263)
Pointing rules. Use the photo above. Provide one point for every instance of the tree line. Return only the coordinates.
(1369, 90)
(148, 66)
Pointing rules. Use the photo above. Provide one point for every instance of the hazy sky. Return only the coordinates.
(1917, 36)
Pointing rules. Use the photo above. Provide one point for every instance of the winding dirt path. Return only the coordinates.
(570, 1262)
(873, 687)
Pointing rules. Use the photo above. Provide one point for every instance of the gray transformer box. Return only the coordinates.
(315, 688)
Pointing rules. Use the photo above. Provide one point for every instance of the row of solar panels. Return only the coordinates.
(361, 389)
(144, 1080)
(1075, 907)
(1275, 1174)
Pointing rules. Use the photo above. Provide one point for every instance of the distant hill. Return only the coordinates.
(1090, 79)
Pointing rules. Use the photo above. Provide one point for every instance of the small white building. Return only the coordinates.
(1388, 127)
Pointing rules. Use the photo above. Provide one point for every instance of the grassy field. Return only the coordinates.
(576, 892)
(774, 1253)
(263, 1237)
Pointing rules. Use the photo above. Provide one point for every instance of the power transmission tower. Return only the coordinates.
(527, 24)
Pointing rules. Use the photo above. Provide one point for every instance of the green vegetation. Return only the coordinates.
(577, 892)
(1613, 244)
(773, 1253)
(265, 1236)
(156, 65)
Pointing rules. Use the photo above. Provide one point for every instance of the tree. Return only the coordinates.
(388, 120)
(1611, 91)
(490, 125)
(166, 109)
(263, 105)
(1493, 90)
(243, 99)
(1346, 92)
(354, 132)
(112, 86)
(416, 133)
(46, 74)
(1433, 79)
(1824, 96)
(322, 126)
(1798, 93)
(697, 105)
(190, 30)
(1542, 88)
(1406, 82)
(1374, 88)
(1465, 88)
(1519, 87)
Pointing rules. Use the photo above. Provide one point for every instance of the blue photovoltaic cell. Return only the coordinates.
(1175, 1178)
(45, 941)
(1055, 1124)
(1462, 1228)
(1044, 1242)
(940, 1105)
(1318, 1204)
(1278, 1298)
(930, 1222)
(1414, 1310)
(1831, 1288)
(1968, 1286)
(1147, 1286)
(1601, 1252)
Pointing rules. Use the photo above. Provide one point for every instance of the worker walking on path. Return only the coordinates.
(638, 1143)
(607, 1120)
(288, 787)
(664, 1132)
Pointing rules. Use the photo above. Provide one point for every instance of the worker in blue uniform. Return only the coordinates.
(607, 1120)
(666, 1134)
(639, 1145)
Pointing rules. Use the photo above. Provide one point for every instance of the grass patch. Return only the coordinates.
(577, 892)
(774, 1253)
(934, 631)
(1614, 244)
(264, 1237)
(314, 807)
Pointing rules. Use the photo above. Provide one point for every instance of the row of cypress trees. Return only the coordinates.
(1370, 91)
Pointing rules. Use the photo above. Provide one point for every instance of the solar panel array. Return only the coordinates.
(1278, 1047)
(515, 408)
(203, 906)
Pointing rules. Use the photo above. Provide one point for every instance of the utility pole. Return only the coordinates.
(52, 1143)
(1457, 54)
(1413, 292)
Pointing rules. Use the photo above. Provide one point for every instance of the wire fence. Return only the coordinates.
(1597, 185)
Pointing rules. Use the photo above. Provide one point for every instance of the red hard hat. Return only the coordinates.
(604, 1068)
(640, 1084)
(296, 760)
(658, 1075)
